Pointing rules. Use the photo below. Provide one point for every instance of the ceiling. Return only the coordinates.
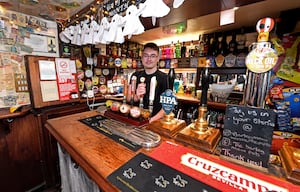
(201, 16)
(246, 15)
(47, 9)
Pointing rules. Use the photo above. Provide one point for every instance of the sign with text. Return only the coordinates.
(247, 135)
(66, 78)
(168, 101)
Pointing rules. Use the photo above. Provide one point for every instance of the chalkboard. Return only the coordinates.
(247, 135)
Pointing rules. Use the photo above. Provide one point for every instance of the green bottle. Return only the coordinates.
(177, 50)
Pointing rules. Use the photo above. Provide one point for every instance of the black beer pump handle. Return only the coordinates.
(205, 85)
(171, 78)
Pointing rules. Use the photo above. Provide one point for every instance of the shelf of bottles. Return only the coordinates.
(106, 67)
(225, 53)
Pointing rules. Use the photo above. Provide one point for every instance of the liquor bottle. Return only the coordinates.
(214, 45)
(210, 45)
(183, 50)
(206, 44)
(241, 49)
(189, 115)
(114, 50)
(172, 49)
(197, 48)
(232, 46)
(119, 50)
(222, 51)
(224, 45)
(168, 52)
(192, 49)
(177, 50)
(163, 52)
(241, 41)
(201, 51)
(230, 59)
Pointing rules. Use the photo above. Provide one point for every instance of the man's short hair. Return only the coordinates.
(151, 46)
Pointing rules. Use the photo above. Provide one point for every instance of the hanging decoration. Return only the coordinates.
(154, 9)
(102, 34)
(133, 25)
(115, 33)
(177, 3)
(118, 19)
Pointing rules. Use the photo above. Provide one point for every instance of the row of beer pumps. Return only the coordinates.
(259, 62)
(199, 133)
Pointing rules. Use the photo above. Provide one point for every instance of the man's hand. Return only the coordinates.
(141, 90)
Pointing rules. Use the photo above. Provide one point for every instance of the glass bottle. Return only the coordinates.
(192, 49)
(232, 46)
(241, 41)
(214, 45)
(206, 45)
(224, 45)
(183, 50)
(177, 50)
(172, 49)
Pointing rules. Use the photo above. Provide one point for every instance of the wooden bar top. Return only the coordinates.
(97, 154)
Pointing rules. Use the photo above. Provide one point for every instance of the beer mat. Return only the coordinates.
(213, 171)
(93, 122)
(145, 174)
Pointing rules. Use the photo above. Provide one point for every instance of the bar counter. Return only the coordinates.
(96, 154)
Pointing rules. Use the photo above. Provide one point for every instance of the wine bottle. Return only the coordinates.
(233, 44)
(224, 45)
(206, 44)
(177, 50)
(241, 41)
(192, 49)
(172, 47)
(214, 45)
(183, 50)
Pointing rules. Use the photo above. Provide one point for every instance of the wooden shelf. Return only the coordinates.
(193, 100)
(6, 114)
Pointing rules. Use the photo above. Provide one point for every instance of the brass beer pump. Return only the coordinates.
(201, 125)
(168, 125)
(199, 134)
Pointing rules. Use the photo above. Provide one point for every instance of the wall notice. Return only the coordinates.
(247, 134)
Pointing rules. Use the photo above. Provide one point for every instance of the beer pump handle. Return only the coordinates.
(152, 93)
(205, 85)
(133, 88)
(171, 78)
(125, 89)
(142, 80)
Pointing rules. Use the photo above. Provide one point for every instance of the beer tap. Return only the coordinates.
(152, 93)
(142, 80)
(133, 88)
(125, 89)
(201, 124)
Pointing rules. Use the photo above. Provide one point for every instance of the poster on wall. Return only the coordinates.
(47, 70)
(13, 81)
(28, 35)
(66, 78)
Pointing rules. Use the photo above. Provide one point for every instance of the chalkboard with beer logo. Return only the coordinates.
(247, 135)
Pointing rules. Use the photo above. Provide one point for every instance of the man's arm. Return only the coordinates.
(158, 116)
